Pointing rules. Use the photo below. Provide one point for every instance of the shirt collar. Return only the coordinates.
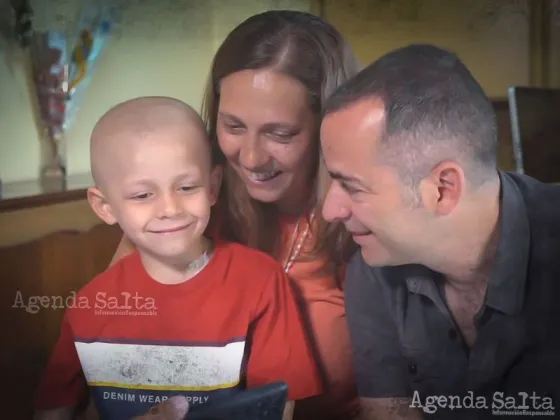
(506, 290)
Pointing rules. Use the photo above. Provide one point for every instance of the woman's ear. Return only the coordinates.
(215, 183)
(100, 206)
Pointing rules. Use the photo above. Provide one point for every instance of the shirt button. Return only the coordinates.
(412, 369)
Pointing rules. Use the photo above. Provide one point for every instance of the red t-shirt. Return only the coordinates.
(135, 341)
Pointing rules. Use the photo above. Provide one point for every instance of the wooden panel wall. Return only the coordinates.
(52, 265)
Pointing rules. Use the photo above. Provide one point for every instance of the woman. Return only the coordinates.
(262, 104)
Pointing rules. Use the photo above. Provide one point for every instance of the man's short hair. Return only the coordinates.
(435, 110)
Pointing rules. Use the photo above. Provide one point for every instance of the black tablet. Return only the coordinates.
(262, 403)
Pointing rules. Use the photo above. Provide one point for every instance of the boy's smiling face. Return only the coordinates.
(158, 185)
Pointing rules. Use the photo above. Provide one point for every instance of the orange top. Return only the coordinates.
(322, 305)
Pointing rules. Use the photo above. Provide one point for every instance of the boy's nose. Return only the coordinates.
(170, 206)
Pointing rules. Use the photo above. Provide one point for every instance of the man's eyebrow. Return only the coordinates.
(346, 178)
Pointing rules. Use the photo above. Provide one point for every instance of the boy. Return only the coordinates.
(183, 315)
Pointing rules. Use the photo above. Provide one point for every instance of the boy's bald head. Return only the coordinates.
(151, 161)
(125, 127)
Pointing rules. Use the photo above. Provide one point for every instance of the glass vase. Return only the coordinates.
(53, 161)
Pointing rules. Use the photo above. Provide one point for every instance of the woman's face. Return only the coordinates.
(267, 131)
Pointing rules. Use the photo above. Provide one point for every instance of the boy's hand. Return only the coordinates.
(175, 408)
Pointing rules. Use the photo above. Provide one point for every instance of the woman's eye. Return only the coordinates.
(284, 137)
(234, 128)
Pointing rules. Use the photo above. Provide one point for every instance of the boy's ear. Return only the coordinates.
(100, 206)
(215, 183)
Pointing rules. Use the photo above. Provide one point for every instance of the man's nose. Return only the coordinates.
(253, 155)
(336, 207)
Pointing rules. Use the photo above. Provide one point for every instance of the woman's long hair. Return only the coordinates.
(310, 50)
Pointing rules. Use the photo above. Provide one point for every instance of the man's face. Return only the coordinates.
(365, 195)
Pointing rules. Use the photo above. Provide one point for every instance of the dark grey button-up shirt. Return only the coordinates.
(406, 343)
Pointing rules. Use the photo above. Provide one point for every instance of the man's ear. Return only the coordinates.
(100, 206)
(443, 188)
(215, 183)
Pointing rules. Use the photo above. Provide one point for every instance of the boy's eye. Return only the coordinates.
(142, 196)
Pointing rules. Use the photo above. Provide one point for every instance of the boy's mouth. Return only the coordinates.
(170, 230)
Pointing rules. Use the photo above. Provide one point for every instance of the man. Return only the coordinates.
(452, 301)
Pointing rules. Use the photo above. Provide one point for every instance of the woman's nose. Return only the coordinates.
(253, 155)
